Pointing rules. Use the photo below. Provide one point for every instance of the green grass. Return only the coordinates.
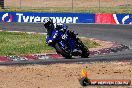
(90, 44)
(12, 43)
(117, 9)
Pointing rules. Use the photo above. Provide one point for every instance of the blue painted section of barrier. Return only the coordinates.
(39, 17)
(123, 18)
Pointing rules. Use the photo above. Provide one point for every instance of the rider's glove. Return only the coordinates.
(50, 42)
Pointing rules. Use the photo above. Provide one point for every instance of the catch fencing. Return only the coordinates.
(71, 5)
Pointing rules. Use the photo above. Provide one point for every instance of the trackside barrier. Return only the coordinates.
(38, 17)
(113, 18)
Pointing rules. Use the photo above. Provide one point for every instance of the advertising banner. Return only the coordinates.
(36, 17)
(104, 19)
(113, 18)
(123, 18)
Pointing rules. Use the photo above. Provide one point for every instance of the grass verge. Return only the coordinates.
(12, 43)
(117, 9)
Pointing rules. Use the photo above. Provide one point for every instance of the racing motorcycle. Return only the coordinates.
(67, 44)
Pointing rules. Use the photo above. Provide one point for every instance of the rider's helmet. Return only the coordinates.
(48, 23)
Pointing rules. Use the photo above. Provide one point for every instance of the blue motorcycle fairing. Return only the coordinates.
(67, 40)
(62, 44)
(52, 37)
(72, 43)
(63, 38)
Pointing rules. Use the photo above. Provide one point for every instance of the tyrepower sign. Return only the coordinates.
(39, 17)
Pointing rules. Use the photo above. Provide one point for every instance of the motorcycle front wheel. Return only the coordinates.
(84, 49)
(63, 51)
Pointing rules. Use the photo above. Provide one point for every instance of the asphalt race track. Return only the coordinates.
(121, 34)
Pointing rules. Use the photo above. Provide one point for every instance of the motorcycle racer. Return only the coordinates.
(50, 27)
(63, 40)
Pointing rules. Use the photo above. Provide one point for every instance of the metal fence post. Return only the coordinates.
(20, 4)
(72, 5)
(99, 5)
(126, 2)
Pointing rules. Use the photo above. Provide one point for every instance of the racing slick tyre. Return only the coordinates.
(85, 52)
(64, 52)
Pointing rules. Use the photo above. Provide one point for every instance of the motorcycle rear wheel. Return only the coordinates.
(63, 52)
